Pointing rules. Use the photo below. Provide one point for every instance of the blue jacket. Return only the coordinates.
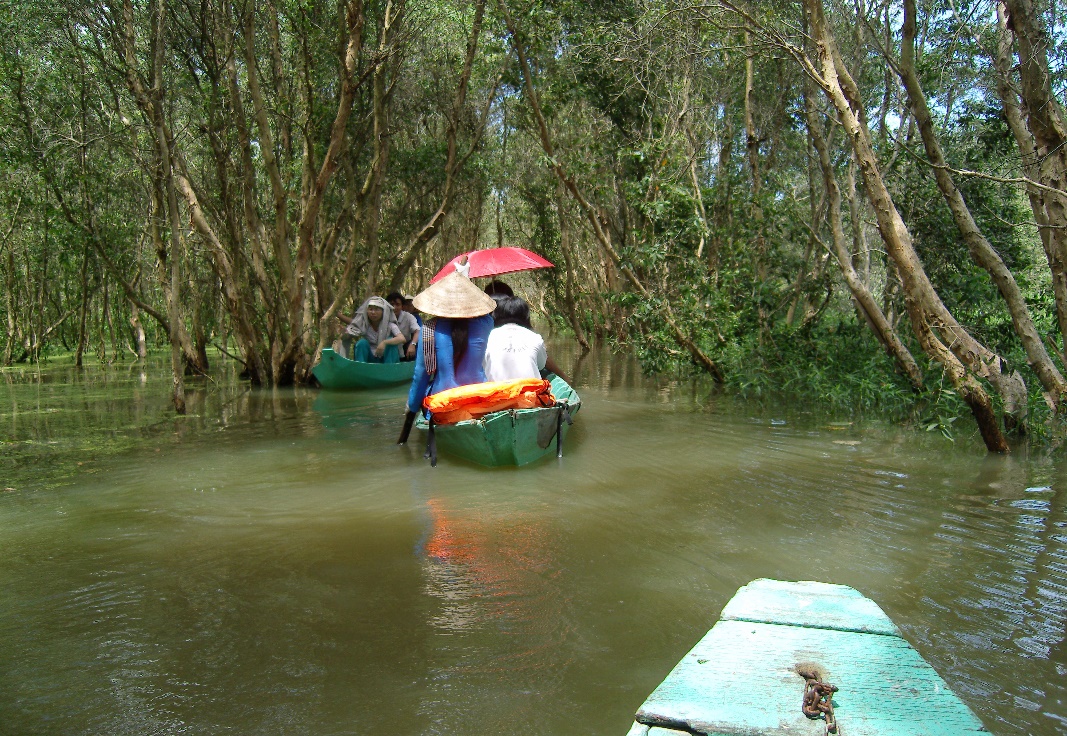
(448, 374)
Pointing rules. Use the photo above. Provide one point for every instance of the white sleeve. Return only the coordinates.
(542, 355)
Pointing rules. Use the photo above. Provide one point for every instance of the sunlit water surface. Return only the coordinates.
(274, 564)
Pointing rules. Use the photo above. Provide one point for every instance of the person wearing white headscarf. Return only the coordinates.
(376, 333)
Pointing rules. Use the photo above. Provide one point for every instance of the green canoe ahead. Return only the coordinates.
(515, 437)
(333, 371)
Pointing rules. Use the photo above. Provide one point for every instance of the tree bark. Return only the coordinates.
(925, 309)
(816, 215)
(1048, 158)
(453, 163)
(9, 305)
(380, 96)
(862, 296)
(597, 221)
(279, 193)
(980, 249)
(150, 101)
(293, 353)
(83, 307)
(859, 241)
(141, 348)
(755, 206)
(722, 213)
(569, 295)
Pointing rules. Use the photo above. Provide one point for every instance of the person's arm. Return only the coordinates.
(396, 339)
(420, 382)
(551, 367)
(414, 344)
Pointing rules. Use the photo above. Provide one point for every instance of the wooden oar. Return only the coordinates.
(409, 419)
(431, 445)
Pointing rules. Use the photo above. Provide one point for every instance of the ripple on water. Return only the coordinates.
(276, 565)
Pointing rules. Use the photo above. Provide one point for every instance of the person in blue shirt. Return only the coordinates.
(451, 348)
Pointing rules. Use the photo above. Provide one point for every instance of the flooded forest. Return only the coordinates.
(806, 282)
(856, 204)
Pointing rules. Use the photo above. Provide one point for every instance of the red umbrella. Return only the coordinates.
(495, 261)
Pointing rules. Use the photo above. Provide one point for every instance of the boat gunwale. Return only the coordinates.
(479, 430)
(422, 423)
(345, 374)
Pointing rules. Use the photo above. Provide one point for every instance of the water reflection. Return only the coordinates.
(273, 563)
(499, 614)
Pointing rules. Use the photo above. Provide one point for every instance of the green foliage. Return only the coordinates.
(840, 369)
(646, 107)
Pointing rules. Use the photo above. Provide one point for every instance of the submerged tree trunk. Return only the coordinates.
(9, 307)
(83, 308)
(927, 313)
(166, 202)
(862, 296)
(140, 346)
(1047, 159)
(980, 249)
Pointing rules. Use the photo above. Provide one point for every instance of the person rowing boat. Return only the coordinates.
(451, 348)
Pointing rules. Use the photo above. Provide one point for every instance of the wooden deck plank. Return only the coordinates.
(815, 605)
(741, 678)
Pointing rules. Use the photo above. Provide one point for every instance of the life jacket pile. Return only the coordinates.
(478, 399)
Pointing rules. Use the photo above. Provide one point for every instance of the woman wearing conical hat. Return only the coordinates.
(452, 344)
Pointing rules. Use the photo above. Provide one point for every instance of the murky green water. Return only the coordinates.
(273, 564)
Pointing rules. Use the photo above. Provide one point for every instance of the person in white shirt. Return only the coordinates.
(409, 326)
(513, 350)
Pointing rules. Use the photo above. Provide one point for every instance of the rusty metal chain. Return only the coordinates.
(819, 700)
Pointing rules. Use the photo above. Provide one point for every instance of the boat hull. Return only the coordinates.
(745, 676)
(515, 437)
(336, 372)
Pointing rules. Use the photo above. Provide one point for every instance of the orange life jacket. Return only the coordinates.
(478, 399)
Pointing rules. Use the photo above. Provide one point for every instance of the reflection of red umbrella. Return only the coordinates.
(495, 261)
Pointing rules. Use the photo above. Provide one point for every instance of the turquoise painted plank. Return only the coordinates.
(741, 678)
(816, 605)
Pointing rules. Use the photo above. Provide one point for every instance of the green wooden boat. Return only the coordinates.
(336, 372)
(744, 676)
(515, 437)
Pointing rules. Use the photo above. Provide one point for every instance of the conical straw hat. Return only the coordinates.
(454, 296)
